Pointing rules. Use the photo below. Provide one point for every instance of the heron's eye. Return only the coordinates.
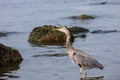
(62, 27)
(74, 54)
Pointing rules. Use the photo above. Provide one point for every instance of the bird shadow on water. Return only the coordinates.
(92, 78)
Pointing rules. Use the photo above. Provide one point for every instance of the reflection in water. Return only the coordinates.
(5, 72)
(47, 43)
(92, 78)
(49, 55)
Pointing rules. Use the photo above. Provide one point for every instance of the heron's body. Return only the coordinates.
(82, 59)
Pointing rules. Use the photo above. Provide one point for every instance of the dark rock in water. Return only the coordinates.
(103, 31)
(76, 29)
(83, 16)
(101, 3)
(81, 35)
(9, 56)
(45, 35)
(2, 34)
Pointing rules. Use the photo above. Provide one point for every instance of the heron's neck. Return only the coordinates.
(68, 43)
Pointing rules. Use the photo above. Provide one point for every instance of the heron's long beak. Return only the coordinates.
(58, 28)
(55, 29)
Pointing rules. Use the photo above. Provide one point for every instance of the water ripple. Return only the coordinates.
(49, 55)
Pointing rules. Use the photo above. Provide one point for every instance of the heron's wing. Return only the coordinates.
(86, 60)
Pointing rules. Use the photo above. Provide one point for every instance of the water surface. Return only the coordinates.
(21, 16)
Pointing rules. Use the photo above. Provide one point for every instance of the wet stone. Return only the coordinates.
(9, 56)
(103, 31)
(82, 16)
(2, 34)
(76, 29)
(44, 35)
(80, 35)
(101, 3)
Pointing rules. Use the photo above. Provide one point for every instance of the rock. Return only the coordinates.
(2, 34)
(101, 3)
(76, 29)
(80, 35)
(103, 31)
(9, 56)
(45, 35)
(83, 16)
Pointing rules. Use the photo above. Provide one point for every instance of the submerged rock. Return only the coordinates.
(101, 3)
(45, 35)
(9, 56)
(80, 35)
(76, 29)
(2, 34)
(103, 31)
(83, 16)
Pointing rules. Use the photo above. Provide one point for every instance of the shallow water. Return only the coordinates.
(19, 17)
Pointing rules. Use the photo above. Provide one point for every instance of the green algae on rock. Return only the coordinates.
(44, 35)
(9, 56)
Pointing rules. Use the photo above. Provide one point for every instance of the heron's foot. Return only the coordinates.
(86, 74)
(81, 70)
(80, 74)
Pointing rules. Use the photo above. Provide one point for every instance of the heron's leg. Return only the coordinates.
(81, 70)
(85, 73)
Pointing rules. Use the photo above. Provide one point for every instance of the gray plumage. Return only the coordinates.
(82, 59)
(85, 61)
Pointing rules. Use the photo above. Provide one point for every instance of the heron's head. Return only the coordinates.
(61, 28)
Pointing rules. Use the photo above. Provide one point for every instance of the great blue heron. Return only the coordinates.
(83, 60)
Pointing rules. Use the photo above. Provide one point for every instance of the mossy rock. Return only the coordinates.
(9, 56)
(83, 16)
(45, 35)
